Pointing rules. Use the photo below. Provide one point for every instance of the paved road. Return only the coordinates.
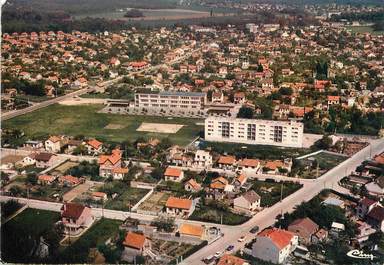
(15, 113)
(267, 217)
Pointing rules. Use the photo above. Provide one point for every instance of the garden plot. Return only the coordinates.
(154, 204)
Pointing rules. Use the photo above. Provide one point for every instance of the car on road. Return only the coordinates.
(241, 239)
(254, 230)
(230, 247)
(208, 259)
(218, 254)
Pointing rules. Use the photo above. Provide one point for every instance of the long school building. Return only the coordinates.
(171, 100)
(253, 131)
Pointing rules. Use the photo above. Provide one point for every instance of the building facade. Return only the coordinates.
(253, 131)
(171, 100)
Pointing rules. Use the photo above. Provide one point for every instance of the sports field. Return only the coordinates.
(84, 120)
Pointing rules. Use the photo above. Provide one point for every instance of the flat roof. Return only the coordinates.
(176, 93)
(231, 119)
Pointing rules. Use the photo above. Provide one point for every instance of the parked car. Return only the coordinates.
(208, 259)
(254, 230)
(218, 254)
(230, 247)
(241, 239)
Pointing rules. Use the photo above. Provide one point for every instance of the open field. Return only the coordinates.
(85, 120)
(364, 29)
(159, 127)
(155, 203)
(126, 200)
(61, 169)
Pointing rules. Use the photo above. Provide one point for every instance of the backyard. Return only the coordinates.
(270, 192)
(94, 237)
(155, 203)
(209, 213)
(127, 199)
(85, 120)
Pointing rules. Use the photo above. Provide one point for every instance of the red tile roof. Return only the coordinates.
(228, 160)
(281, 238)
(134, 240)
(231, 260)
(172, 172)
(72, 210)
(94, 143)
(113, 158)
(178, 203)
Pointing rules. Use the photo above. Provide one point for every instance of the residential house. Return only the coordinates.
(227, 162)
(192, 186)
(99, 196)
(94, 146)
(219, 184)
(320, 236)
(181, 207)
(30, 144)
(240, 180)
(336, 229)
(69, 181)
(276, 167)
(231, 260)
(73, 144)
(76, 218)
(365, 205)
(239, 98)
(53, 144)
(249, 165)
(119, 172)
(173, 174)
(136, 244)
(217, 97)
(108, 163)
(376, 188)
(333, 100)
(375, 218)
(191, 231)
(45, 179)
(29, 160)
(203, 159)
(248, 202)
(334, 202)
(274, 245)
(305, 228)
(45, 160)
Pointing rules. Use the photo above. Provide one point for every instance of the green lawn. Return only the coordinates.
(95, 236)
(84, 120)
(364, 29)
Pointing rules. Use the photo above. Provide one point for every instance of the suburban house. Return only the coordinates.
(190, 230)
(274, 245)
(136, 244)
(365, 205)
(276, 167)
(173, 174)
(247, 202)
(109, 162)
(227, 162)
(219, 184)
(249, 165)
(240, 180)
(320, 236)
(182, 207)
(29, 160)
(305, 228)
(119, 172)
(375, 218)
(94, 146)
(203, 159)
(239, 98)
(99, 196)
(72, 145)
(75, 217)
(53, 144)
(45, 179)
(44, 160)
(69, 181)
(231, 260)
(192, 186)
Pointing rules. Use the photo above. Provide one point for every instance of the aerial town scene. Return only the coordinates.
(191, 132)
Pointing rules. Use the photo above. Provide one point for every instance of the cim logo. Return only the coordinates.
(359, 254)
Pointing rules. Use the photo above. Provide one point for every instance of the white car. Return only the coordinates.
(241, 239)
(218, 254)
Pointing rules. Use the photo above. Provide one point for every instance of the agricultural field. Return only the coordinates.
(127, 199)
(85, 120)
(155, 203)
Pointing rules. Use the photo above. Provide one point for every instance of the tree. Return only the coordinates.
(324, 143)
(157, 173)
(245, 112)
(165, 224)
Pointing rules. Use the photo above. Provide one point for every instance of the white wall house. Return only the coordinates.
(203, 159)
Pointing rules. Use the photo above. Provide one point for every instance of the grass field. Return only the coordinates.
(126, 200)
(84, 120)
(207, 213)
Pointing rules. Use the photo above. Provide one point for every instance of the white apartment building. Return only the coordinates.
(253, 131)
(171, 100)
